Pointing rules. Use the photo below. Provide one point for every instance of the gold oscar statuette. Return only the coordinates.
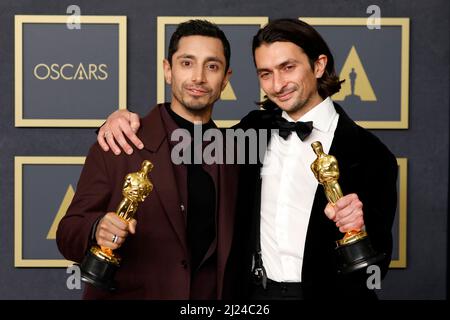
(354, 250)
(100, 263)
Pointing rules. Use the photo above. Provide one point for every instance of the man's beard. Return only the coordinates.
(298, 104)
(193, 106)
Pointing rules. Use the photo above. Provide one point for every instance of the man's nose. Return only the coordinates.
(278, 82)
(198, 75)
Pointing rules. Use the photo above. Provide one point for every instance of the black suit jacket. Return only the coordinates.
(367, 168)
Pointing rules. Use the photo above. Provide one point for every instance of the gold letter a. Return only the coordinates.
(61, 212)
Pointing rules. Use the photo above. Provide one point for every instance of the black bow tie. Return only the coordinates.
(303, 129)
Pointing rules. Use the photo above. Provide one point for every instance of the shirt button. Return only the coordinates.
(184, 264)
(182, 207)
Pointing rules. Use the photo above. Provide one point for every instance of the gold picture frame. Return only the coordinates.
(403, 23)
(19, 21)
(19, 162)
(401, 262)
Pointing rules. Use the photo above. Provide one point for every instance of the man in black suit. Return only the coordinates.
(281, 231)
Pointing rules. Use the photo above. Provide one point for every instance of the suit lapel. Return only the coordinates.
(263, 120)
(154, 136)
(343, 146)
(343, 149)
(228, 184)
(321, 231)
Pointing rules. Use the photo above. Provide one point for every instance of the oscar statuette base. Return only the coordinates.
(99, 270)
(356, 255)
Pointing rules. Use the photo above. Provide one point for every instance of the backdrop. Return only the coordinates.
(419, 138)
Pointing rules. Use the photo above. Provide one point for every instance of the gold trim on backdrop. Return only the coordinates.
(402, 211)
(161, 46)
(19, 21)
(404, 86)
(226, 123)
(19, 162)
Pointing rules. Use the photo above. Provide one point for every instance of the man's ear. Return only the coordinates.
(167, 71)
(319, 66)
(226, 79)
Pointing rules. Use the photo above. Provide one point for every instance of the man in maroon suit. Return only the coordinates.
(179, 246)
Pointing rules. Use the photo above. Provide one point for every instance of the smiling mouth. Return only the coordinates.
(285, 96)
(197, 92)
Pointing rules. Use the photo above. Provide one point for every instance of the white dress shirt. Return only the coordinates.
(287, 194)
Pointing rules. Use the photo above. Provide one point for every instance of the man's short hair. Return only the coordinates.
(199, 28)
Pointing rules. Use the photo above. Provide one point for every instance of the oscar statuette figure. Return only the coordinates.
(100, 263)
(354, 251)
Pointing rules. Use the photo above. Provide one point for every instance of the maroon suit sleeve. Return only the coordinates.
(88, 205)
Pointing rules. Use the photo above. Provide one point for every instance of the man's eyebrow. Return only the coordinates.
(186, 56)
(215, 59)
(192, 57)
(278, 66)
(284, 63)
(259, 70)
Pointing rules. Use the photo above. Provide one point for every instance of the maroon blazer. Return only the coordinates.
(155, 261)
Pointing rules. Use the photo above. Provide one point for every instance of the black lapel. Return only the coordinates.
(322, 232)
(345, 147)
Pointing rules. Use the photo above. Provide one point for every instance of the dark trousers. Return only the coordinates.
(277, 291)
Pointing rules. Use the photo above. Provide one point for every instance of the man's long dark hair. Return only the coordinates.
(306, 37)
(199, 28)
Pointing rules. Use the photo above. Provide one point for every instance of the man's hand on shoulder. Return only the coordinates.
(112, 132)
